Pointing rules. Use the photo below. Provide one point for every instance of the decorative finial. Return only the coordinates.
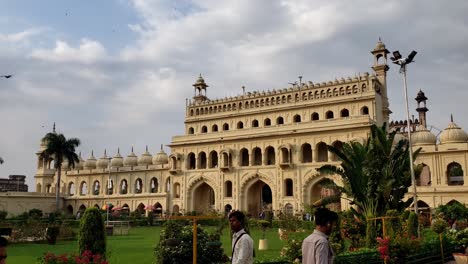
(92, 153)
(451, 118)
(53, 129)
(199, 76)
(161, 146)
(105, 154)
(146, 148)
(118, 151)
(380, 40)
(132, 149)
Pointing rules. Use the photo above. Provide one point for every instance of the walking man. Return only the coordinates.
(315, 248)
(242, 243)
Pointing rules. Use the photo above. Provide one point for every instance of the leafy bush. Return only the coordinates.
(150, 218)
(175, 245)
(412, 224)
(453, 211)
(52, 233)
(87, 257)
(439, 226)
(31, 230)
(3, 214)
(460, 238)
(35, 213)
(92, 235)
(353, 229)
(363, 255)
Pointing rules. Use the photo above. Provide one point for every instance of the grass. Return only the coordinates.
(136, 247)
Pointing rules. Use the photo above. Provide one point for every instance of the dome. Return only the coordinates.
(117, 160)
(398, 137)
(145, 158)
(79, 165)
(131, 160)
(423, 137)
(380, 45)
(103, 161)
(90, 163)
(160, 158)
(453, 134)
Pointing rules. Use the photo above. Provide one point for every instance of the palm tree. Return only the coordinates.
(60, 148)
(376, 175)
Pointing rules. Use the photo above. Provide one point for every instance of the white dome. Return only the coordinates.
(103, 161)
(453, 134)
(423, 137)
(117, 160)
(131, 160)
(145, 158)
(160, 158)
(90, 163)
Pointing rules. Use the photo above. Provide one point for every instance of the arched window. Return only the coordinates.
(71, 189)
(284, 155)
(213, 160)
(424, 177)
(267, 122)
(338, 145)
(191, 131)
(297, 119)
(244, 156)
(96, 187)
(240, 125)
(191, 161)
(315, 116)
(176, 190)
(322, 152)
(329, 115)
(344, 112)
(202, 160)
(83, 188)
(123, 187)
(306, 151)
(225, 127)
(110, 187)
(154, 185)
(364, 110)
(138, 186)
(214, 128)
(270, 156)
(204, 129)
(255, 123)
(191, 112)
(257, 156)
(228, 189)
(454, 174)
(279, 120)
(288, 187)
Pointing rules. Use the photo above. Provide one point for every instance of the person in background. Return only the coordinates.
(3, 251)
(242, 243)
(315, 248)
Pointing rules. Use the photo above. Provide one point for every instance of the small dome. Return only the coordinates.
(453, 134)
(103, 161)
(423, 137)
(90, 163)
(200, 82)
(131, 160)
(380, 45)
(160, 158)
(145, 158)
(79, 165)
(117, 160)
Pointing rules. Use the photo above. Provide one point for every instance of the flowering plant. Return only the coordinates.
(86, 258)
(384, 248)
(460, 238)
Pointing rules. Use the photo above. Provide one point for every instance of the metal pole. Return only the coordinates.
(413, 178)
(108, 190)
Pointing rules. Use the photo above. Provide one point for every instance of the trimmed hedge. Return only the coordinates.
(92, 234)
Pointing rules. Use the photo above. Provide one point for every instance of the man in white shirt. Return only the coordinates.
(315, 248)
(242, 243)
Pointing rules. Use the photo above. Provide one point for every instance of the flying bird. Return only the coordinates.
(7, 76)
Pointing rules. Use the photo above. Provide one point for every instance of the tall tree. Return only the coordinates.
(376, 175)
(60, 148)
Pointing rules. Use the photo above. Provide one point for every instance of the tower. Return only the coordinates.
(45, 171)
(200, 90)
(422, 109)
(380, 68)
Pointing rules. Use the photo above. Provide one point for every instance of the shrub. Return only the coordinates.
(412, 224)
(353, 229)
(439, 226)
(3, 214)
(453, 211)
(31, 230)
(35, 213)
(87, 257)
(91, 235)
(52, 233)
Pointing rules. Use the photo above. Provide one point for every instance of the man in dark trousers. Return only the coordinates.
(3, 252)
(315, 248)
(242, 243)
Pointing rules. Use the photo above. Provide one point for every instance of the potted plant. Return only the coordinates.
(460, 238)
(263, 243)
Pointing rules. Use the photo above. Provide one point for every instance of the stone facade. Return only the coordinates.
(14, 183)
(259, 151)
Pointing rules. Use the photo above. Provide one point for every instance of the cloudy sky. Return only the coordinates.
(117, 73)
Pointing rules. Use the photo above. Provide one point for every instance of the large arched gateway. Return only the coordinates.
(202, 198)
(257, 197)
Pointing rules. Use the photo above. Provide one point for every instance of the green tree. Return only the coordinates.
(376, 175)
(92, 235)
(60, 148)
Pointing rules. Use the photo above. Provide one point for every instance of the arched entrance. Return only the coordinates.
(203, 198)
(318, 191)
(258, 198)
(158, 209)
(70, 210)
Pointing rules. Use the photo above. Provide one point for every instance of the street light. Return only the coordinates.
(399, 60)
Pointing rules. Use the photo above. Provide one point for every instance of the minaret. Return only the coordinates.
(422, 109)
(200, 90)
(44, 176)
(380, 68)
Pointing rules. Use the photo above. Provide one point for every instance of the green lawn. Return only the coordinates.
(137, 247)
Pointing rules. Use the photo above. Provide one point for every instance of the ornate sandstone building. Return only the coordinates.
(261, 150)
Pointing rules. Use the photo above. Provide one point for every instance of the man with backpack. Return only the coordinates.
(242, 243)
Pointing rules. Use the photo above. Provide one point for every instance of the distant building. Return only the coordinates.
(14, 183)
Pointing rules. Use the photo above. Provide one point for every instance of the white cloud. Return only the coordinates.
(87, 52)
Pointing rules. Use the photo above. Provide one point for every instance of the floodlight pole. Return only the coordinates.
(413, 177)
(108, 190)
